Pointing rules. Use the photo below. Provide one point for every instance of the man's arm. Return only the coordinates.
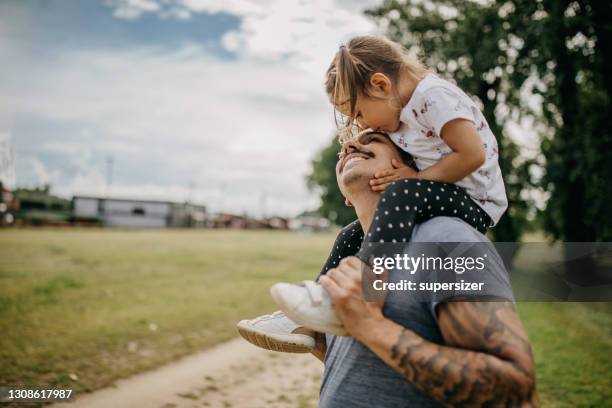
(495, 328)
(487, 360)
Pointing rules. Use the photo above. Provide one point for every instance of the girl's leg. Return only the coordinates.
(347, 243)
(410, 201)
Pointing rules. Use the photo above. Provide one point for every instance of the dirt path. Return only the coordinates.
(233, 374)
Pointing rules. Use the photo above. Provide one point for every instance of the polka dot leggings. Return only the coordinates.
(402, 205)
(347, 243)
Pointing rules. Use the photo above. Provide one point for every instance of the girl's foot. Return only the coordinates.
(277, 332)
(308, 304)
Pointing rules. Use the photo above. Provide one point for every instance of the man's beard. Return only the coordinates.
(356, 180)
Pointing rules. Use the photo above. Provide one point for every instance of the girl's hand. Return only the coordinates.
(398, 171)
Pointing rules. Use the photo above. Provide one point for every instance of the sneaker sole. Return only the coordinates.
(269, 342)
(336, 330)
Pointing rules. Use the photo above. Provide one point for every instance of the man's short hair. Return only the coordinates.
(406, 157)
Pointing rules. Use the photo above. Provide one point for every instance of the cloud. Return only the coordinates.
(312, 32)
(306, 31)
(132, 9)
(40, 170)
(243, 130)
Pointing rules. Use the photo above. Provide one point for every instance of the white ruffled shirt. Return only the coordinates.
(434, 103)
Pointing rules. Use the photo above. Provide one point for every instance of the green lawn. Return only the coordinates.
(84, 306)
(106, 304)
(572, 343)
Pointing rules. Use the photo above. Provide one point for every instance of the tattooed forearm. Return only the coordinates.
(497, 370)
(486, 361)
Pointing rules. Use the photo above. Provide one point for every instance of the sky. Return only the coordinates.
(219, 102)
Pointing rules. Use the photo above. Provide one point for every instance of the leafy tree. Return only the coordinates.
(570, 48)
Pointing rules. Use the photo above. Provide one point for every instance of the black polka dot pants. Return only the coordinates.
(408, 202)
(402, 205)
(347, 243)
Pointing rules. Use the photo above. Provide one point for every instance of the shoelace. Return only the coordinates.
(314, 291)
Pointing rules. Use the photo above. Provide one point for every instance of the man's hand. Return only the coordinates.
(397, 171)
(344, 287)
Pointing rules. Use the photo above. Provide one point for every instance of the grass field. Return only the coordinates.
(84, 307)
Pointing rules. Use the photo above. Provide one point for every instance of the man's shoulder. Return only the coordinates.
(446, 229)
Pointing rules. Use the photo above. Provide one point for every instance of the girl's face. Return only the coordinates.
(376, 112)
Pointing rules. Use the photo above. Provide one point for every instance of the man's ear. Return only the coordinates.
(381, 83)
(347, 202)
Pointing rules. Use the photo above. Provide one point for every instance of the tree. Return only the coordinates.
(574, 40)
(570, 50)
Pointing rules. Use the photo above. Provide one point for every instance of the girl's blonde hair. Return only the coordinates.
(349, 74)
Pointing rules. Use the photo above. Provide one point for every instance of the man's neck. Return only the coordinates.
(365, 202)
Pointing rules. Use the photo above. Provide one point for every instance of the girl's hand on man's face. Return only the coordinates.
(398, 171)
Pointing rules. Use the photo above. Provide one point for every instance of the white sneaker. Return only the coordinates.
(309, 304)
(277, 332)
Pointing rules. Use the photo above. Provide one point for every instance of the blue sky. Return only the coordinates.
(224, 95)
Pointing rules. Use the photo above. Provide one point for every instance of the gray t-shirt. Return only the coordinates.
(355, 377)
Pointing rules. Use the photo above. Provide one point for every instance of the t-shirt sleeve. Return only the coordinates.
(494, 277)
(440, 105)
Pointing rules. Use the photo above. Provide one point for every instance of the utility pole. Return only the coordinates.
(7, 163)
(109, 174)
(191, 190)
(263, 198)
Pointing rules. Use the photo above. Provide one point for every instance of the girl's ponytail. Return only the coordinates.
(349, 79)
(345, 77)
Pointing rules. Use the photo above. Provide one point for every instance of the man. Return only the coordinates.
(406, 352)
(456, 353)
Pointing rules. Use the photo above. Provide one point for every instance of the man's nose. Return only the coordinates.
(350, 145)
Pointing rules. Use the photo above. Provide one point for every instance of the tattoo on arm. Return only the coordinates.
(487, 360)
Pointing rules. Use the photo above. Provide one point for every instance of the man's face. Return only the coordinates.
(363, 156)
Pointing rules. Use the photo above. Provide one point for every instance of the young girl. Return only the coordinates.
(375, 84)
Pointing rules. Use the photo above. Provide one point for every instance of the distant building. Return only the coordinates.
(277, 223)
(233, 221)
(129, 213)
(37, 206)
(310, 223)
